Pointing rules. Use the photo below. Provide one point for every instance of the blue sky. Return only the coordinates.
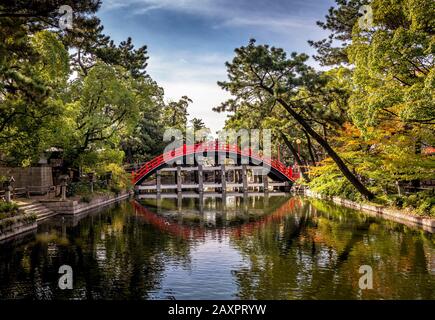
(189, 41)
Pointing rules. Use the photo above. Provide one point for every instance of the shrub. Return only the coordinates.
(335, 185)
(422, 202)
(120, 178)
(6, 207)
(78, 188)
(100, 185)
(86, 199)
(411, 201)
(425, 206)
(398, 201)
(115, 189)
(4, 224)
(30, 218)
(24, 218)
(391, 200)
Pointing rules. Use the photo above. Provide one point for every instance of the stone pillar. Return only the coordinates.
(223, 180)
(399, 189)
(63, 188)
(215, 180)
(179, 202)
(244, 178)
(265, 183)
(92, 179)
(224, 209)
(63, 183)
(224, 202)
(158, 182)
(266, 200)
(159, 203)
(245, 202)
(201, 203)
(255, 178)
(200, 179)
(9, 188)
(178, 179)
(8, 195)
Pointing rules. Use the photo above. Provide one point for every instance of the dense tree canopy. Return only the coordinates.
(30, 89)
(266, 76)
(358, 129)
(76, 90)
(374, 106)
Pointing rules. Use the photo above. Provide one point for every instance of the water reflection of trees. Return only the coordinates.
(113, 255)
(315, 251)
(297, 249)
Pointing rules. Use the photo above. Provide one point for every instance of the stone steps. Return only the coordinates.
(41, 211)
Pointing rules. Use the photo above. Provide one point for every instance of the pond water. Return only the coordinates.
(256, 247)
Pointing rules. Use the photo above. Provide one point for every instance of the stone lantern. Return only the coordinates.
(92, 179)
(8, 187)
(63, 184)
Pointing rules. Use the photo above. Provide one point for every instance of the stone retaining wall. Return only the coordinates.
(17, 228)
(427, 224)
(31, 176)
(72, 207)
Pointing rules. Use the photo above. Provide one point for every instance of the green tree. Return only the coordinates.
(29, 92)
(175, 114)
(33, 72)
(264, 74)
(145, 141)
(101, 119)
(197, 124)
(391, 101)
(102, 107)
(340, 21)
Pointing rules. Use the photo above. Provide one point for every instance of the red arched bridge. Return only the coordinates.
(248, 170)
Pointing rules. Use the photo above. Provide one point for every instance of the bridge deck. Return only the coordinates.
(215, 168)
(210, 185)
(194, 195)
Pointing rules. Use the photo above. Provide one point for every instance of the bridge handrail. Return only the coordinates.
(204, 147)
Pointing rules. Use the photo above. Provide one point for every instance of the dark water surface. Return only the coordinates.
(254, 248)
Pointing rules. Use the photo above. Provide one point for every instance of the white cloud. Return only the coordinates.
(278, 23)
(194, 75)
(193, 67)
(115, 4)
(208, 7)
(205, 96)
(228, 12)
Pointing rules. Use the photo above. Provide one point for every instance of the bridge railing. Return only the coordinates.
(212, 147)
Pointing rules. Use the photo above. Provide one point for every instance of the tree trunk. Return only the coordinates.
(310, 148)
(416, 183)
(296, 156)
(325, 134)
(320, 140)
